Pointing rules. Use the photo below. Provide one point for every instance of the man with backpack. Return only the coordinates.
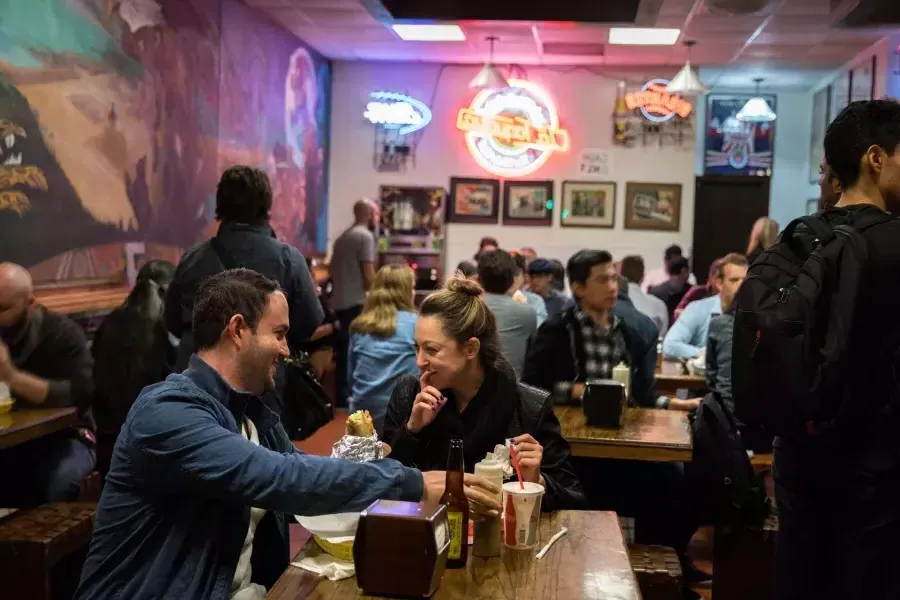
(815, 356)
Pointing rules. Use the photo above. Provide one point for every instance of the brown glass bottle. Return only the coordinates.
(454, 499)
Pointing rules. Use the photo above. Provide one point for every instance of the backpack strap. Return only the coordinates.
(818, 226)
(870, 218)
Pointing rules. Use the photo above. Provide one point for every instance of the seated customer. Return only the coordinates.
(699, 292)
(516, 322)
(204, 480)
(540, 281)
(632, 269)
(468, 390)
(672, 291)
(132, 349)
(687, 337)
(521, 291)
(45, 361)
(382, 341)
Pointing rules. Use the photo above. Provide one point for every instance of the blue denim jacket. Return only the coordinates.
(176, 506)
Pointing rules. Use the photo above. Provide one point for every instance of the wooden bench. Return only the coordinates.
(657, 570)
(42, 550)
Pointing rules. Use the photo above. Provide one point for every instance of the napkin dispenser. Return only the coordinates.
(401, 548)
(604, 403)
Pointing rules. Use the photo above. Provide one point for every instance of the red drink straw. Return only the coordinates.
(515, 461)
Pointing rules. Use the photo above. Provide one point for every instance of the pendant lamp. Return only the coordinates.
(757, 110)
(489, 77)
(687, 81)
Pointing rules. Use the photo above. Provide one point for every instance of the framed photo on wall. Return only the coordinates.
(588, 204)
(528, 203)
(735, 147)
(862, 81)
(653, 206)
(473, 200)
(812, 206)
(840, 96)
(820, 121)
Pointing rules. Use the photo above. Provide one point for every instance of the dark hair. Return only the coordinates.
(465, 316)
(487, 241)
(244, 194)
(633, 268)
(673, 251)
(467, 268)
(858, 127)
(220, 297)
(559, 275)
(579, 266)
(677, 265)
(521, 263)
(541, 266)
(496, 271)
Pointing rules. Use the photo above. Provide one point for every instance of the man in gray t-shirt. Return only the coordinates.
(516, 321)
(352, 271)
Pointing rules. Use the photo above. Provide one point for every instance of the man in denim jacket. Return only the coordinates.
(203, 480)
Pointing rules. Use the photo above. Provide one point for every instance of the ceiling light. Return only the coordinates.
(687, 81)
(489, 77)
(757, 110)
(429, 33)
(638, 36)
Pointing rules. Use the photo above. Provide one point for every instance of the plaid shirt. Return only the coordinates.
(604, 348)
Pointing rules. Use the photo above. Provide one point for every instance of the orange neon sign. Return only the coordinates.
(512, 132)
(656, 103)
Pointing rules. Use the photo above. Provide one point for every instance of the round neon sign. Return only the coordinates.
(656, 104)
(512, 132)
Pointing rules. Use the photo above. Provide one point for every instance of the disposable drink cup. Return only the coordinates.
(521, 514)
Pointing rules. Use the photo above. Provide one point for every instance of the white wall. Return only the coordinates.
(585, 102)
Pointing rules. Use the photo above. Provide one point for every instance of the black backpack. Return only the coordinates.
(726, 491)
(793, 320)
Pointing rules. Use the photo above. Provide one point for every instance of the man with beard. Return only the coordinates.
(203, 480)
(46, 364)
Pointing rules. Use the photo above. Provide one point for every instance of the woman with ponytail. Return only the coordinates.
(131, 350)
(467, 389)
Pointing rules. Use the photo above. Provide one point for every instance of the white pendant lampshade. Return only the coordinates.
(489, 77)
(757, 110)
(687, 81)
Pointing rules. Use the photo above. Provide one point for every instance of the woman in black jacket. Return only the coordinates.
(468, 390)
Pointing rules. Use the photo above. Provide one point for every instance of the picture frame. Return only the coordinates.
(840, 96)
(733, 147)
(653, 206)
(812, 206)
(820, 110)
(411, 210)
(528, 203)
(588, 204)
(473, 200)
(862, 80)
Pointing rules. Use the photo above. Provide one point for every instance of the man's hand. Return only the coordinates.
(577, 391)
(479, 491)
(685, 405)
(434, 486)
(530, 453)
(7, 369)
(519, 297)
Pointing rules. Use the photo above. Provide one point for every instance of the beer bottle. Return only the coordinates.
(454, 499)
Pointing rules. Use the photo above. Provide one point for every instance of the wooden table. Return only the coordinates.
(647, 434)
(589, 563)
(83, 300)
(20, 426)
(669, 384)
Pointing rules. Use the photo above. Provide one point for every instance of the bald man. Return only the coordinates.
(352, 270)
(45, 361)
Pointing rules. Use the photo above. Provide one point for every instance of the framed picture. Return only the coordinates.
(840, 96)
(734, 147)
(528, 203)
(588, 204)
(862, 81)
(821, 100)
(653, 206)
(812, 206)
(473, 200)
(409, 210)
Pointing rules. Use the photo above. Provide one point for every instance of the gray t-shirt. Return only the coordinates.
(516, 323)
(352, 248)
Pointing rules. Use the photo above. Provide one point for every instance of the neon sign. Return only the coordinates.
(512, 132)
(397, 111)
(656, 103)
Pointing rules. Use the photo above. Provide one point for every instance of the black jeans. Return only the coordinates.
(341, 346)
(48, 469)
(839, 518)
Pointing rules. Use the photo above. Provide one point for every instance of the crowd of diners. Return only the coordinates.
(178, 396)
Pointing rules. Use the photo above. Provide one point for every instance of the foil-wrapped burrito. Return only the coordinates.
(361, 443)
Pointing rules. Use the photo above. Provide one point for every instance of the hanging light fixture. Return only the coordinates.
(757, 110)
(687, 81)
(489, 77)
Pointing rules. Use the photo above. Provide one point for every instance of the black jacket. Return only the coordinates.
(556, 352)
(531, 411)
(255, 247)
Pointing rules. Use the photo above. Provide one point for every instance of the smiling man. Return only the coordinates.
(204, 480)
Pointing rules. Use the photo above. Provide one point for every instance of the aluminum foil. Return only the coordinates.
(357, 449)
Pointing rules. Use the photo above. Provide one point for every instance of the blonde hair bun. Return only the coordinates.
(462, 285)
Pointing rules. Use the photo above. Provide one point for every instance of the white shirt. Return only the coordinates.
(241, 586)
(651, 306)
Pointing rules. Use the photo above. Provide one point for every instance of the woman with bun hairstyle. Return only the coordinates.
(468, 390)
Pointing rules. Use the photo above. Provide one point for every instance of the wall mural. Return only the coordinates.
(117, 117)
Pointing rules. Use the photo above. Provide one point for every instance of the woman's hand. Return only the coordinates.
(529, 453)
(428, 404)
(482, 494)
